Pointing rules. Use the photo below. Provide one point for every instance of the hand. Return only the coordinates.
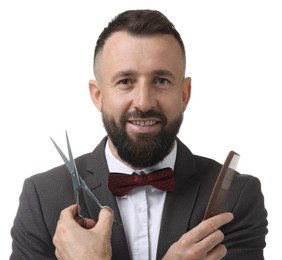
(202, 242)
(75, 242)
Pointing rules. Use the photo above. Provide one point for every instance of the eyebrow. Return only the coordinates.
(123, 73)
(162, 72)
(128, 73)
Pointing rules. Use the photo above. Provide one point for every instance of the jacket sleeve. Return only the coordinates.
(245, 235)
(31, 238)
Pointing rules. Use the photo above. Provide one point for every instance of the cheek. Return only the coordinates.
(173, 106)
(114, 107)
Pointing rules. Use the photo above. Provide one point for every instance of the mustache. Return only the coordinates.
(141, 114)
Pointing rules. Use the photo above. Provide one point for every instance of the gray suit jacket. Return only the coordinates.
(45, 195)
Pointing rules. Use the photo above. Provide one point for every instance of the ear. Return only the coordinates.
(186, 92)
(95, 93)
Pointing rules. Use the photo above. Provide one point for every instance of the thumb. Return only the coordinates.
(105, 222)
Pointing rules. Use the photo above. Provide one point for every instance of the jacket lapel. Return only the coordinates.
(179, 204)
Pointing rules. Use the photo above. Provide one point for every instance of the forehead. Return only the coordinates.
(127, 49)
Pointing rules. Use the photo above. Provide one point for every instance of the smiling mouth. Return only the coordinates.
(144, 122)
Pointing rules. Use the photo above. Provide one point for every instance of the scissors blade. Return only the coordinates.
(222, 185)
(65, 159)
(70, 164)
(70, 154)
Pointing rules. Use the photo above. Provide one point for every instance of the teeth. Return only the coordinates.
(144, 123)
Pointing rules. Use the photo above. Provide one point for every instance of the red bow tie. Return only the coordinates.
(121, 184)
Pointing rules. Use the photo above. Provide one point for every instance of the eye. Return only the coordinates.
(162, 82)
(125, 83)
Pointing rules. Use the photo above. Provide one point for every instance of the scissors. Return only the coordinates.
(77, 182)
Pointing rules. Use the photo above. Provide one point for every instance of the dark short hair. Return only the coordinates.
(140, 23)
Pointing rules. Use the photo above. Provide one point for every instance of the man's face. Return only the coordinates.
(142, 94)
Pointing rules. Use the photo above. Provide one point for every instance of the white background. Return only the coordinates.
(234, 58)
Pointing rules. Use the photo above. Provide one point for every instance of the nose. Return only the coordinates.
(145, 97)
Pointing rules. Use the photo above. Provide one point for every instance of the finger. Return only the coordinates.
(211, 241)
(69, 212)
(57, 254)
(217, 252)
(105, 222)
(89, 223)
(80, 220)
(209, 226)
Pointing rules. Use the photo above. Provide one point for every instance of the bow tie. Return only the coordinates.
(121, 184)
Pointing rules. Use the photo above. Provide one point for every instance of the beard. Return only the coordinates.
(143, 150)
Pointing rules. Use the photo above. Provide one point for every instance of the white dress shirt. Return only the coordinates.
(141, 210)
